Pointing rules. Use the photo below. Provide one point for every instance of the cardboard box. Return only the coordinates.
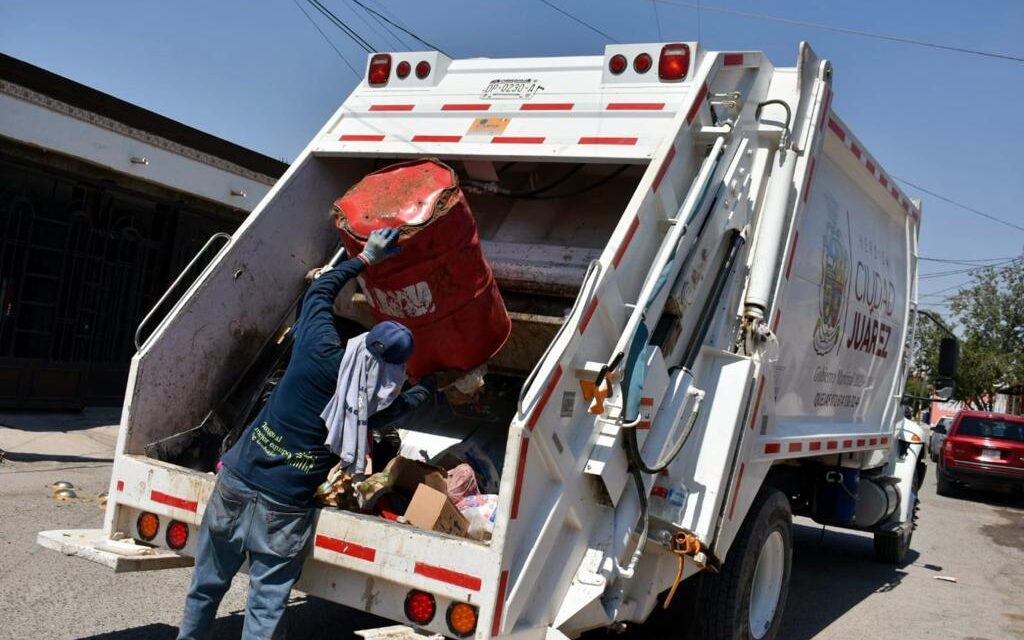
(431, 509)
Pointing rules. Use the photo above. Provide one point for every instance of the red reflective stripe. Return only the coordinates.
(834, 126)
(588, 314)
(871, 166)
(344, 547)
(860, 442)
(178, 503)
(521, 468)
(695, 107)
(855, 149)
(466, 107)
(664, 167)
(795, 447)
(831, 444)
(778, 316)
(825, 109)
(625, 242)
(847, 444)
(885, 440)
(603, 140)
(757, 403)
(517, 139)
(361, 137)
(391, 107)
(120, 485)
(447, 575)
(499, 603)
(422, 138)
(736, 491)
(895, 193)
(547, 106)
(731, 60)
(807, 182)
(883, 180)
(792, 253)
(635, 106)
(873, 441)
(814, 446)
(772, 447)
(544, 398)
(646, 402)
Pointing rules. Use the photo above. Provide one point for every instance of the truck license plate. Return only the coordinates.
(511, 89)
(989, 454)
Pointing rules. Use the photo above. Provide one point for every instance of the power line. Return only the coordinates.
(578, 21)
(966, 261)
(853, 32)
(383, 7)
(328, 40)
(961, 205)
(400, 28)
(383, 32)
(657, 18)
(338, 22)
(383, 37)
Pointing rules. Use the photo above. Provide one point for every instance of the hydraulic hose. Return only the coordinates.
(637, 465)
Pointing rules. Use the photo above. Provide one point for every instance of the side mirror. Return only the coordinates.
(949, 357)
(939, 428)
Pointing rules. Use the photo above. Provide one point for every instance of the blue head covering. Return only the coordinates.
(390, 341)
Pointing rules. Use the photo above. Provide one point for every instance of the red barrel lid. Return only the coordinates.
(403, 194)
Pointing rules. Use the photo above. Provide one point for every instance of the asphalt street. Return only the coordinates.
(838, 591)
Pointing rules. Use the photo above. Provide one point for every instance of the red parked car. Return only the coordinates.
(983, 450)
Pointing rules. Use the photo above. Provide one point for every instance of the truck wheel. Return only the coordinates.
(892, 548)
(745, 601)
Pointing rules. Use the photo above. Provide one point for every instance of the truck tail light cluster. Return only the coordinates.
(421, 607)
(673, 62)
(379, 71)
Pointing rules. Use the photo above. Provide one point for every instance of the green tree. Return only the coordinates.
(991, 317)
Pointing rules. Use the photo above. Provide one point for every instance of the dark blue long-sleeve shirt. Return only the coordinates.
(282, 452)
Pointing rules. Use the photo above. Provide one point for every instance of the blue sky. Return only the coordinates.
(258, 74)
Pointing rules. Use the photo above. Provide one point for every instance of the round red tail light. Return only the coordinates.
(642, 63)
(617, 64)
(403, 69)
(420, 607)
(177, 535)
(422, 69)
(147, 525)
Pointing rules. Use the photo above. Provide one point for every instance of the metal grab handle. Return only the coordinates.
(592, 276)
(178, 280)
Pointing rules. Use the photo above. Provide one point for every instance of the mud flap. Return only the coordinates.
(121, 556)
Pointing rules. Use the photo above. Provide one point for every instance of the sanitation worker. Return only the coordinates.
(261, 508)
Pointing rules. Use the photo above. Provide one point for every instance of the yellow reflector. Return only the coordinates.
(148, 525)
(915, 438)
(462, 619)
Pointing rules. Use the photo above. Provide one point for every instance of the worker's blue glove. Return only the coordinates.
(381, 245)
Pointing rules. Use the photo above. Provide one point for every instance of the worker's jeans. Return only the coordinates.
(242, 522)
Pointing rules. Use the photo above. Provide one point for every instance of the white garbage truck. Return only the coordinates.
(711, 283)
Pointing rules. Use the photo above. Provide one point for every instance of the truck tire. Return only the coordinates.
(746, 600)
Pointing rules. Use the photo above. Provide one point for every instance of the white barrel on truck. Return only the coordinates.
(710, 281)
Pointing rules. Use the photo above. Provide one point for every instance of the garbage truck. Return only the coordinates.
(711, 284)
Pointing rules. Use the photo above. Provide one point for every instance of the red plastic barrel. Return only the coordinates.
(439, 285)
